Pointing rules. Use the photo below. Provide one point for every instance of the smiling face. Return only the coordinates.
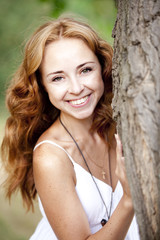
(71, 75)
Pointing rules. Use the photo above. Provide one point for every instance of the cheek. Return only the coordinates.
(55, 95)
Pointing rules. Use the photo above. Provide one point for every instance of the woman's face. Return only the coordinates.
(71, 74)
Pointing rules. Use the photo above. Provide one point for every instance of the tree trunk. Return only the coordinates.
(136, 105)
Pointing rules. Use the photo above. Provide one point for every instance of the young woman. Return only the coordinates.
(60, 139)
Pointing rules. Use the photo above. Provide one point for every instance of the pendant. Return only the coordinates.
(104, 174)
(103, 222)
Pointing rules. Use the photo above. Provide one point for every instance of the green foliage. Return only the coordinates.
(57, 6)
(18, 19)
(6, 233)
(100, 13)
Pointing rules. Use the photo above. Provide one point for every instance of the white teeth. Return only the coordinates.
(79, 101)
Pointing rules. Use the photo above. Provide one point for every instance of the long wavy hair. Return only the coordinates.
(31, 112)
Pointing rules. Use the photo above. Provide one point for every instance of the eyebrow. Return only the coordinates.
(61, 71)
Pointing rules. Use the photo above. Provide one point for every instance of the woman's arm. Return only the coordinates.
(55, 182)
(118, 225)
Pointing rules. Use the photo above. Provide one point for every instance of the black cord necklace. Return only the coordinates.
(103, 221)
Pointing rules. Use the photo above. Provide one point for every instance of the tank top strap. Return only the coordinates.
(55, 144)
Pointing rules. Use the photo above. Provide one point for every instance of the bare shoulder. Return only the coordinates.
(51, 163)
(46, 153)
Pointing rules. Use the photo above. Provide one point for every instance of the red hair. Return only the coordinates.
(31, 112)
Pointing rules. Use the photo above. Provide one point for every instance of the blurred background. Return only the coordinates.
(18, 20)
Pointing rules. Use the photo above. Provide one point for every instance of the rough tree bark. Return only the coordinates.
(136, 104)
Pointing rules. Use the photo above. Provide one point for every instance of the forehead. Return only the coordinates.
(67, 48)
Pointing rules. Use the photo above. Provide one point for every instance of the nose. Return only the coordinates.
(75, 86)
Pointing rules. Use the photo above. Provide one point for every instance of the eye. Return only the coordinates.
(57, 79)
(86, 70)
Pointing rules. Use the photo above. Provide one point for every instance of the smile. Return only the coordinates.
(80, 101)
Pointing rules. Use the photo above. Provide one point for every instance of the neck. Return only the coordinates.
(80, 128)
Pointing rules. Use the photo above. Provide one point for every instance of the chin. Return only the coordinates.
(82, 116)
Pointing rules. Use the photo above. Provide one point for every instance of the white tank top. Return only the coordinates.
(90, 200)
